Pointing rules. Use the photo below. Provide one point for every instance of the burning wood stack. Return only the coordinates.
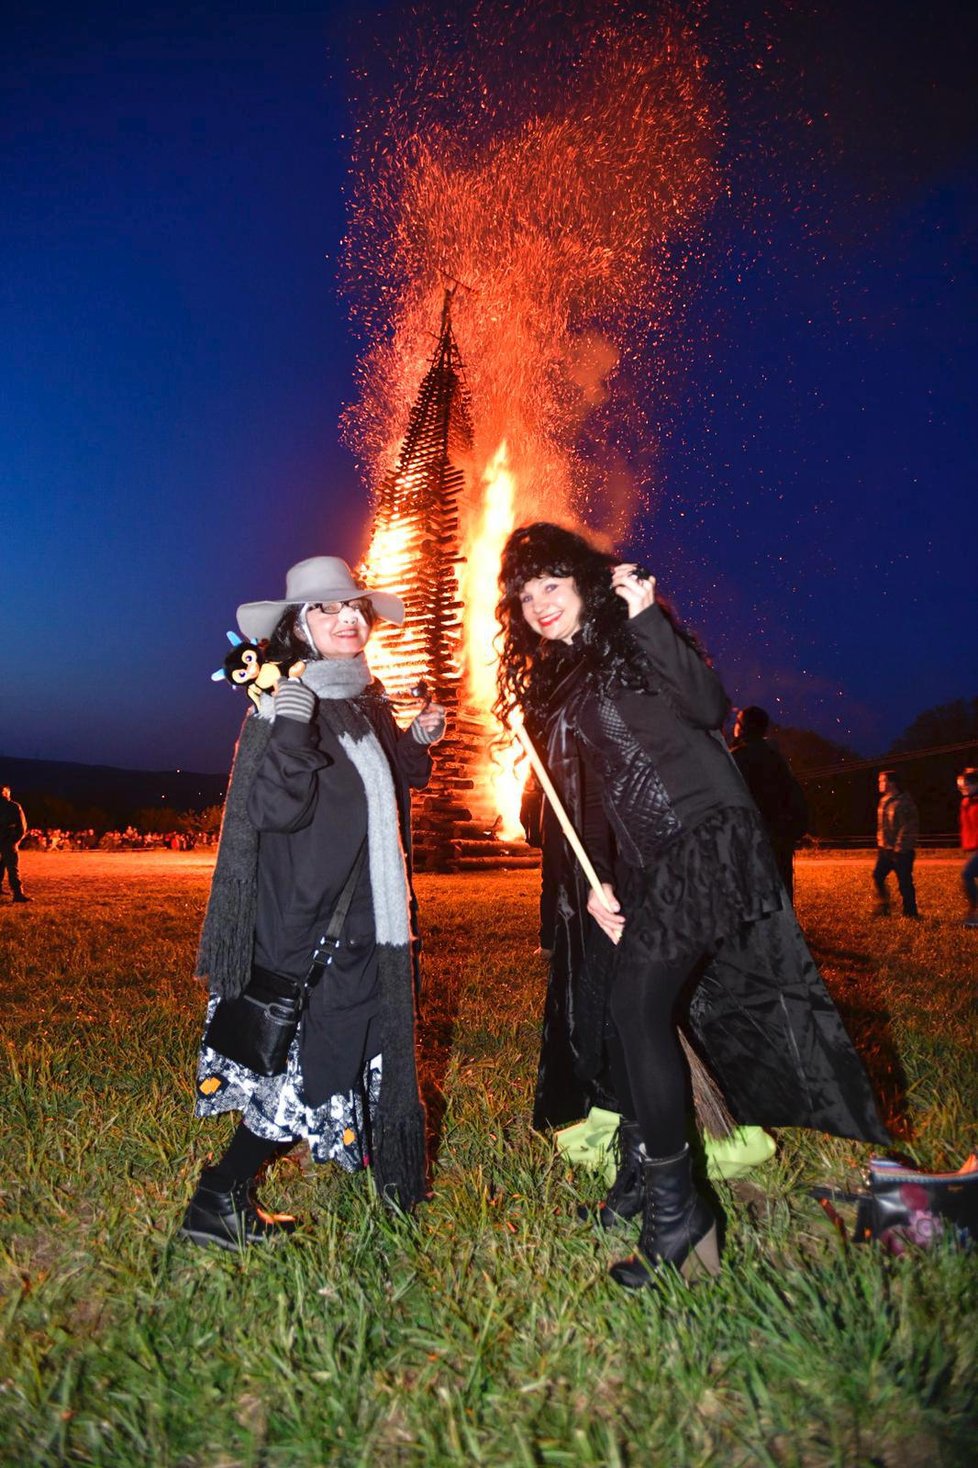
(415, 551)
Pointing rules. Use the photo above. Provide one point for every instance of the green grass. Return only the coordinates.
(485, 1330)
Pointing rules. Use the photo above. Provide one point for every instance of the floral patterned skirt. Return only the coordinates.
(274, 1107)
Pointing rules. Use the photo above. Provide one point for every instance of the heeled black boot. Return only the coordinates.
(624, 1200)
(230, 1215)
(678, 1227)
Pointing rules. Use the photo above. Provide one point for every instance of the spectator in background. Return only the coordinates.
(13, 829)
(776, 792)
(968, 785)
(896, 839)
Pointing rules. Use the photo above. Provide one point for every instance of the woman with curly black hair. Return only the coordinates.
(693, 913)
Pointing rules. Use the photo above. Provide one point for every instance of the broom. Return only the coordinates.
(712, 1113)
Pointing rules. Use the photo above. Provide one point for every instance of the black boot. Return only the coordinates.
(678, 1228)
(624, 1200)
(230, 1215)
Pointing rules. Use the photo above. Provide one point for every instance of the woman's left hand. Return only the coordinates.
(429, 726)
(634, 586)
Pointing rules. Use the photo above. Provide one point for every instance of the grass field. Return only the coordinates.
(486, 1330)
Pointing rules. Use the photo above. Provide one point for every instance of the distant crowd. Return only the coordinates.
(54, 839)
(774, 789)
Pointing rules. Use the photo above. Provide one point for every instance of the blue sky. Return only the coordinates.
(176, 356)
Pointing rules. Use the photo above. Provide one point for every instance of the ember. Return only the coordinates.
(557, 198)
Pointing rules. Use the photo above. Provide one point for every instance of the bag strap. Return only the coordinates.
(342, 907)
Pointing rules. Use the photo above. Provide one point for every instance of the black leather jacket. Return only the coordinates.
(654, 763)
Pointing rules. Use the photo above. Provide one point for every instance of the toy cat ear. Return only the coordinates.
(235, 641)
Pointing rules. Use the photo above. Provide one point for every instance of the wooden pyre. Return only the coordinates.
(415, 552)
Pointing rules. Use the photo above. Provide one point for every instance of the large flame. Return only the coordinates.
(488, 532)
(557, 170)
(487, 536)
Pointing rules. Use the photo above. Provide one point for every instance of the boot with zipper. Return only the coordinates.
(678, 1227)
(230, 1215)
(624, 1200)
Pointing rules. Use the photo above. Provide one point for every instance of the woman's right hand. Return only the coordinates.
(293, 700)
(607, 913)
(635, 586)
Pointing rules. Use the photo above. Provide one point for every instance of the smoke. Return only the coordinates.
(555, 160)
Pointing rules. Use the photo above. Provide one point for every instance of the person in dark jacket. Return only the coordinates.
(897, 828)
(691, 908)
(968, 787)
(13, 829)
(320, 790)
(774, 789)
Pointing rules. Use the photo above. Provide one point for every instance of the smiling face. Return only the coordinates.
(340, 634)
(552, 607)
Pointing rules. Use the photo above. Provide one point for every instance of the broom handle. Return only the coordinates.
(710, 1107)
(594, 881)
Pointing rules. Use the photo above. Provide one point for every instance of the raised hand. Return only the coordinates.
(635, 586)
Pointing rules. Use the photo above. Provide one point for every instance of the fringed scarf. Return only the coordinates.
(225, 954)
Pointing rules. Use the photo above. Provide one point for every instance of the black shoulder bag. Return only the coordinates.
(257, 1028)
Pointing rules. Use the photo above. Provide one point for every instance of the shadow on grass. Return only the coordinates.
(860, 997)
(437, 1023)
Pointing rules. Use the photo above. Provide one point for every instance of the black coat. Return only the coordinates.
(774, 789)
(761, 1015)
(225, 953)
(309, 806)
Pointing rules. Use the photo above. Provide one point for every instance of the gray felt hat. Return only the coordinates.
(321, 578)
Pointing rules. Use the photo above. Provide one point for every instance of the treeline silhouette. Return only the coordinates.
(841, 787)
(65, 796)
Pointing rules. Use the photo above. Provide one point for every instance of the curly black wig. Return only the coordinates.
(529, 669)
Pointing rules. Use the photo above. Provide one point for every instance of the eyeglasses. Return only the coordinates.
(361, 604)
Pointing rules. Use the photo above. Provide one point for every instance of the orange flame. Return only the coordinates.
(487, 537)
(565, 207)
(397, 655)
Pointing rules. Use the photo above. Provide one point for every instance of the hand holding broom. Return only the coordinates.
(601, 894)
(712, 1114)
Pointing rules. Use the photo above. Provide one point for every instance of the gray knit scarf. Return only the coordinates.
(333, 679)
(225, 954)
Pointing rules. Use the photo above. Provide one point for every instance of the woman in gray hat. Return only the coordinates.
(319, 802)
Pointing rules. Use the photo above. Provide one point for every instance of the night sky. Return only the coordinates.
(176, 355)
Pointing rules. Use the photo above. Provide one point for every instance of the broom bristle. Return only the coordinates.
(712, 1114)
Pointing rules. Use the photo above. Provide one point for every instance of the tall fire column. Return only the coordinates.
(415, 550)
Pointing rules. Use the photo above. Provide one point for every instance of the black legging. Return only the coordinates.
(648, 1070)
(246, 1153)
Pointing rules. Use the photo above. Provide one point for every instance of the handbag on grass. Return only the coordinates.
(905, 1207)
(257, 1028)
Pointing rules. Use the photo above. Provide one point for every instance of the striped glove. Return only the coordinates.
(293, 700)
(428, 736)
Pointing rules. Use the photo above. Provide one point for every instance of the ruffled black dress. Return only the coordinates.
(668, 821)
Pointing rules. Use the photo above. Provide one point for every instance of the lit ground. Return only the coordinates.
(486, 1331)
